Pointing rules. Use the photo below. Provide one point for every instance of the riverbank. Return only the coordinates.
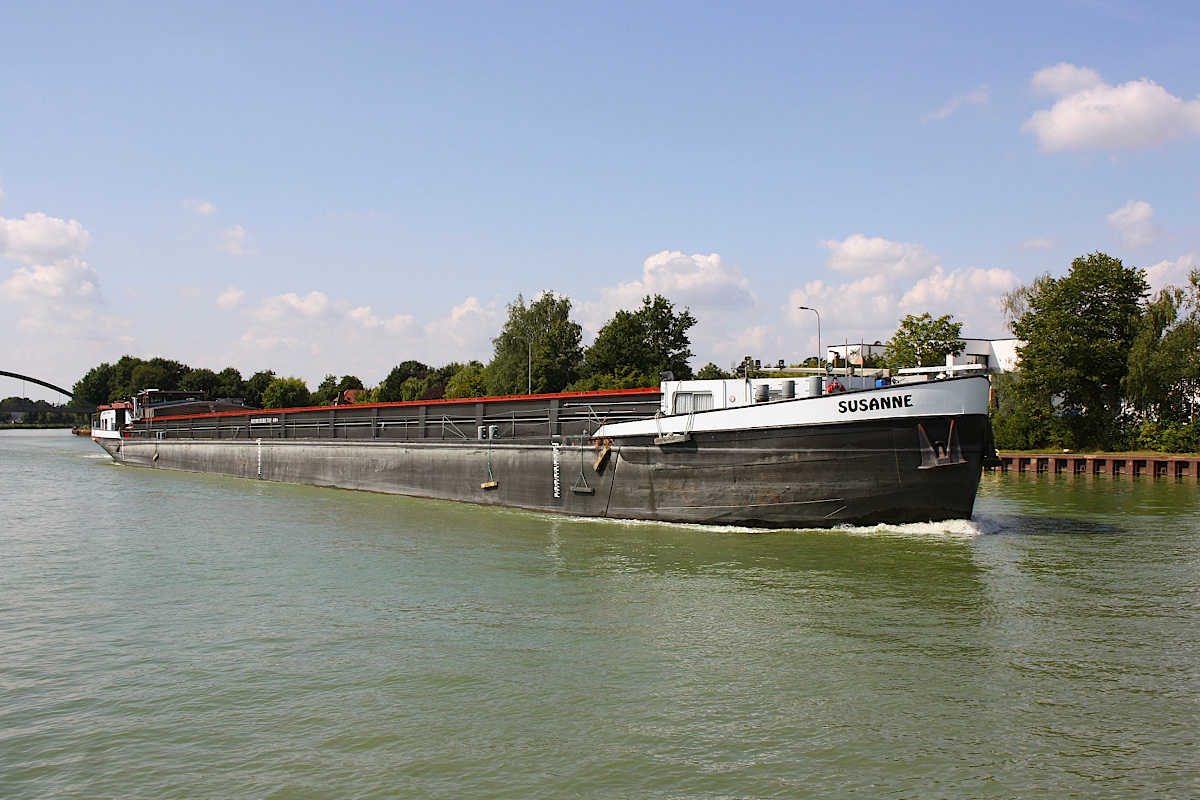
(34, 426)
(1150, 464)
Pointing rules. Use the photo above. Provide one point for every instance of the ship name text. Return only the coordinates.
(875, 403)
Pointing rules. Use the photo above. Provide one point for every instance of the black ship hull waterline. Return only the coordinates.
(890, 455)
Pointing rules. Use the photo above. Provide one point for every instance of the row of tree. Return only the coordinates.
(1103, 364)
(539, 350)
(23, 412)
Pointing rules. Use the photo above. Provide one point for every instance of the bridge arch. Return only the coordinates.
(85, 404)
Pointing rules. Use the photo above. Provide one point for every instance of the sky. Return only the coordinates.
(319, 188)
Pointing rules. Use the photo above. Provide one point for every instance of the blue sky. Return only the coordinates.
(335, 188)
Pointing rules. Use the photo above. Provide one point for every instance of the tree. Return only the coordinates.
(389, 391)
(286, 393)
(711, 371)
(202, 381)
(256, 385)
(539, 345)
(131, 374)
(468, 381)
(924, 341)
(1078, 333)
(97, 385)
(230, 384)
(622, 378)
(331, 388)
(1163, 381)
(650, 340)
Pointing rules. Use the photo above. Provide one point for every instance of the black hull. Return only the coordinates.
(863, 472)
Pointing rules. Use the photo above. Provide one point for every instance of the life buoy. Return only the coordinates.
(834, 388)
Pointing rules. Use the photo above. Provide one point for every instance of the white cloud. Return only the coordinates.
(292, 307)
(3, 196)
(1064, 79)
(233, 241)
(1091, 114)
(1172, 273)
(716, 293)
(971, 295)
(1133, 224)
(695, 281)
(1038, 244)
(39, 239)
(858, 254)
(901, 278)
(468, 329)
(364, 316)
(53, 250)
(313, 334)
(56, 293)
(201, 208)
(859, 304)
(230, 298)
(978, 97)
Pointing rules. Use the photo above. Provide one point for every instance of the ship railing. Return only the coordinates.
(407, 423)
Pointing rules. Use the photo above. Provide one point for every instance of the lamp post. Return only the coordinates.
(529, 384)
(818, 313)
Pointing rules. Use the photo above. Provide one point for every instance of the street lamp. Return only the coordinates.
(529, 342)
(818, 313)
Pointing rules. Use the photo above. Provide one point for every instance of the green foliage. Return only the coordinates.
(202, 381)
(413, 389)
(389, 391)
(127, 377)
(539, 345)
(97, 385)
(469, 381)
(330, 387)
(1163, 381)
(1018, 425)
(622, 378)
(711, 372)
(924, 341)
(1170, 437)
(1079, 331)
(286, 393)
(21, 412)
(230, 384)
(255, 386)
(650, 340)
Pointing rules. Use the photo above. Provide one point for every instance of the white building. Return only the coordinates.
(996, 355)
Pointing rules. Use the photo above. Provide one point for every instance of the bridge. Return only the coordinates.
(81, 406)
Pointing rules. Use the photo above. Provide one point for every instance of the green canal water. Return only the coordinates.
(166, 635)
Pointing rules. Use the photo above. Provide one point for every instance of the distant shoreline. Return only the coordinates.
(21, 426)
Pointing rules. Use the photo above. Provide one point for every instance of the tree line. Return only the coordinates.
(1104, 365)
(539, 350)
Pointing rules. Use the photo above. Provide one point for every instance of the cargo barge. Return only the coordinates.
(817, 452)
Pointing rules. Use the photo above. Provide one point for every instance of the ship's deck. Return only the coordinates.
(522, 418)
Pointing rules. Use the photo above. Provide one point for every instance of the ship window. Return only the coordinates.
(687, 402)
